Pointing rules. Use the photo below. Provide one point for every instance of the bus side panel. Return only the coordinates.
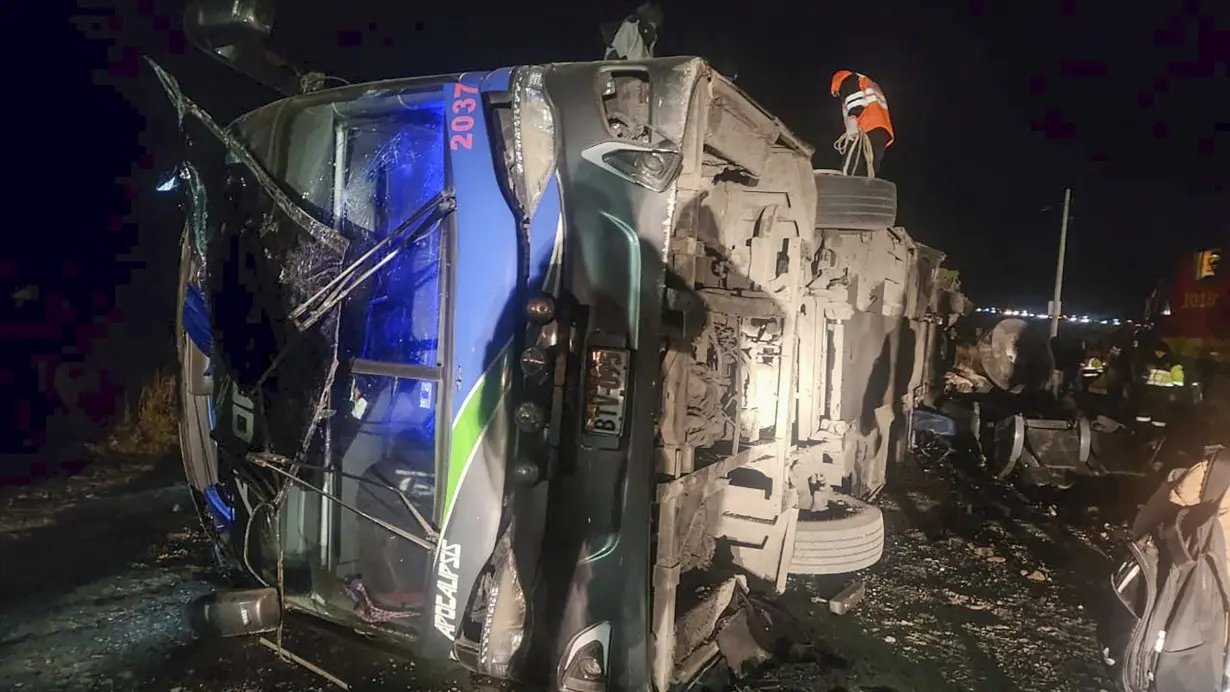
(485, 280)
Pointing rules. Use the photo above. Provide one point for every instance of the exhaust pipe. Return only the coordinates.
(235, 32)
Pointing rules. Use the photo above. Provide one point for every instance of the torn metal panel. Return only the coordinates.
(698, 624)
(261, 266)
(197, 205)
(185, 106)
(263, 255)
(739, 646)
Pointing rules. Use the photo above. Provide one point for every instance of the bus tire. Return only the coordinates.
(847, 538)
(854, 202)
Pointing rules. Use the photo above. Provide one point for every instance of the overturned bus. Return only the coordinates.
(490, 365)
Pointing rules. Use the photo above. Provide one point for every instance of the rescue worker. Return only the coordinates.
(1161, 376)
(864, 110)
(1093, 372)
(635, 37)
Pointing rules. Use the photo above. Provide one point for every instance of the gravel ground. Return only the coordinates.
(92, 596)
(983, 587)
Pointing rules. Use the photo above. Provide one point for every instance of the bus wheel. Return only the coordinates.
(847, 537)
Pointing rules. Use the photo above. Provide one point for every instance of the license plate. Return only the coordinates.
(606, 389)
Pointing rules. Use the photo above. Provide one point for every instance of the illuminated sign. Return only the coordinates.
(1207, 263)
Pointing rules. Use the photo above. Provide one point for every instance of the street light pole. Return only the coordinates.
(1056, 301)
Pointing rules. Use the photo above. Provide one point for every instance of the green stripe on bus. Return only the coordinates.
(481, 404)
(475, 415)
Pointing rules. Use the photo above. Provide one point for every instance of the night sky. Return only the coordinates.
(995, 109)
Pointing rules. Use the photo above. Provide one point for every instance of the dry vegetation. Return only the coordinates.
(152, 427)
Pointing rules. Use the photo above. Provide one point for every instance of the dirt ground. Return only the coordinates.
(983, 587)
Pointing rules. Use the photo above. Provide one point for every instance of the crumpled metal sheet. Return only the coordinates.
(263, 255)
(261, 267)
(327, 236)
(197, 209)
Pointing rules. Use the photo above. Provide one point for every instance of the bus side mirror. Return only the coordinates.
(235, 32)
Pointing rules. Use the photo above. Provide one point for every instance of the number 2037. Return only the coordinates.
(461, 120)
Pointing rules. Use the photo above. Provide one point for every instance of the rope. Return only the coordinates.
(854, 148)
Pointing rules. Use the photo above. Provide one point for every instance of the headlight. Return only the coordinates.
(504, 624)
(534, 363)
(533, 137)
(653, 168)
(540, 309)
(529, 417)
(584, 667)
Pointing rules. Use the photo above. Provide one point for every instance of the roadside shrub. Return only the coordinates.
(152, 427)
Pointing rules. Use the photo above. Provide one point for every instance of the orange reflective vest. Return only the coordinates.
(866, 103)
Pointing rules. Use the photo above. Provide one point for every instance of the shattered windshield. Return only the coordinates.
(367, 163)
(389, 144)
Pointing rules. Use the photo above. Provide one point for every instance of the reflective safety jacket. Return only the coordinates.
(1159, 377)
(862, 100)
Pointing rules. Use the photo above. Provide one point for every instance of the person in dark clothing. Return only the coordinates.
(1159, 357)
(1068, 353)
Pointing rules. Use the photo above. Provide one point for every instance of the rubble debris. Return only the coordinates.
(848, 597)
(738, 646)
(963, 380)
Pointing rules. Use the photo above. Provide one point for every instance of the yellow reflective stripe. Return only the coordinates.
(1158, 378)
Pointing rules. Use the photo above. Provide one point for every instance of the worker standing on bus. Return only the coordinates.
(869, 131)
